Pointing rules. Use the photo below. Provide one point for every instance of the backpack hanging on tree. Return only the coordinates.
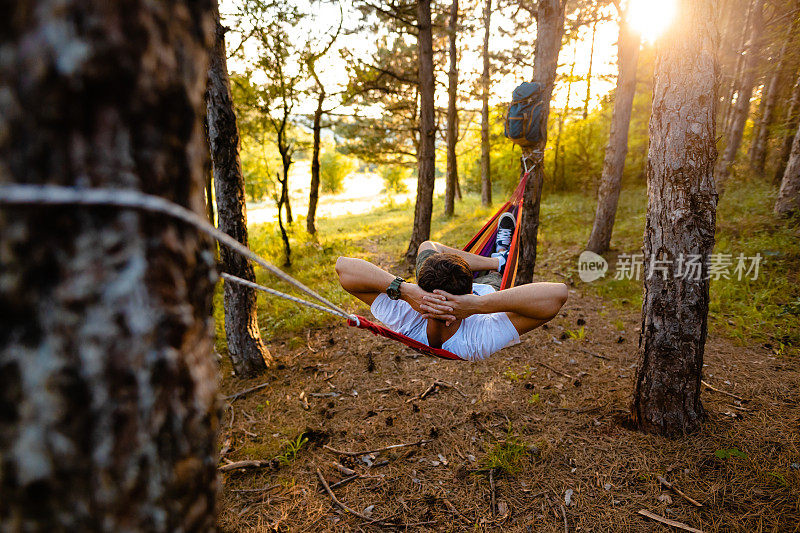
(524, 115)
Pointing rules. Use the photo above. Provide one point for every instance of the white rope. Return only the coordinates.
(59, 195)
(246, 283)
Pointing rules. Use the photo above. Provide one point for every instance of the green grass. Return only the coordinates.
(765, 310)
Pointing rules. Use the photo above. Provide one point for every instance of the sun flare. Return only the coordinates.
(651, 17)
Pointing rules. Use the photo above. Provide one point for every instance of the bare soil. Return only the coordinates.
(352, 391)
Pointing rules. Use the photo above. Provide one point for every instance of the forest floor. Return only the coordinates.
(535, 438)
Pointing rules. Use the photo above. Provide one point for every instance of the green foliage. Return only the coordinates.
(333, 169)
(291, 449)
(727, 453)
(507, 456)
(534, 399)
(393, 179)
(578, 335)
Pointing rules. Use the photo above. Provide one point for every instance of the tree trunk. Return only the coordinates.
(742, 108)
(427, 130)
(452, 116)
(549, 30)
(486, 161)
(589, 75)
(788, 201)
(248, 353)
(758, 150)
(681, 217)
(743, 32)
(790, 124)
(617, 148)
(313, 196)
(108, 397)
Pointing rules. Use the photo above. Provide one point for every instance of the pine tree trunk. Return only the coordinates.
(427, 130)
(743, 32)
(313, 195)
(788, 201)
(589, 75)
(758, 150)
(247, 352)
(486, 161)
(790, 124)
(617, 148)
(452, 115)
(681, 215)
(108, 397)
(550, 30)
(742, 108)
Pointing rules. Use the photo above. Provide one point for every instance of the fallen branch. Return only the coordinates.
(491, 486)
(378, 450)
(673, 523)
(677, 491)
(239, 394)
(241, 465)
(348, 509)
(433, 386)
(564, 514)
(587, 352)
(575, 380)
(724, 392)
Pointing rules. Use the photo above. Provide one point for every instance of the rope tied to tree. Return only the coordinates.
(125, 198)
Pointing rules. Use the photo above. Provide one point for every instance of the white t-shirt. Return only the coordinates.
(478, 336)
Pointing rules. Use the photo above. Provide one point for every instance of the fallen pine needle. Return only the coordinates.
(377, 450)
(352, 511)
(678, 491)
(239, 394)
(673, 523)
(240, 465)
(724, 392)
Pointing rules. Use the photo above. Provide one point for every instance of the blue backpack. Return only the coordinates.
(524, 116)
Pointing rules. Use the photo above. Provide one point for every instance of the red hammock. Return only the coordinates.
(482, 244)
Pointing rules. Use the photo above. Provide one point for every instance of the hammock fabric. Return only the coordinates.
(482, 244)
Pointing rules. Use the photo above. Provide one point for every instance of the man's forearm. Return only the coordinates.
(534, 300)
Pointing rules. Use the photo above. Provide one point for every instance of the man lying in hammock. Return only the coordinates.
(445, 309)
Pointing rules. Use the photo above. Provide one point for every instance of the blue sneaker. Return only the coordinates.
(505, 232)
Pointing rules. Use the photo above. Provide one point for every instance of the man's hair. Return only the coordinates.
(447, 272)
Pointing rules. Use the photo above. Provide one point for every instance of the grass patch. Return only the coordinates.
(507, 456)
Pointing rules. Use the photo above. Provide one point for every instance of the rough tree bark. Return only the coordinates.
(788, 201)
(427, 130)
(617, 148)
(790, 124)
(452, 115)
(486, 161)
(741, 109)
(681, 216)
(758, 148)
(549, 32)
(245, 347)
(108, 397)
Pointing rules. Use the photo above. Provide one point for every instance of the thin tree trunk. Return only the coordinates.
(758, 150)
(108, 397)
(589, 75)
(790, 124)
(617, 148)
(681, 217)
(313, 196)
(427, 130)
(550, 30)
(452, 115)
(742, 108)
(459, 196)
(486, 161)
(245, 347)
(788, 201)
(736, 75)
